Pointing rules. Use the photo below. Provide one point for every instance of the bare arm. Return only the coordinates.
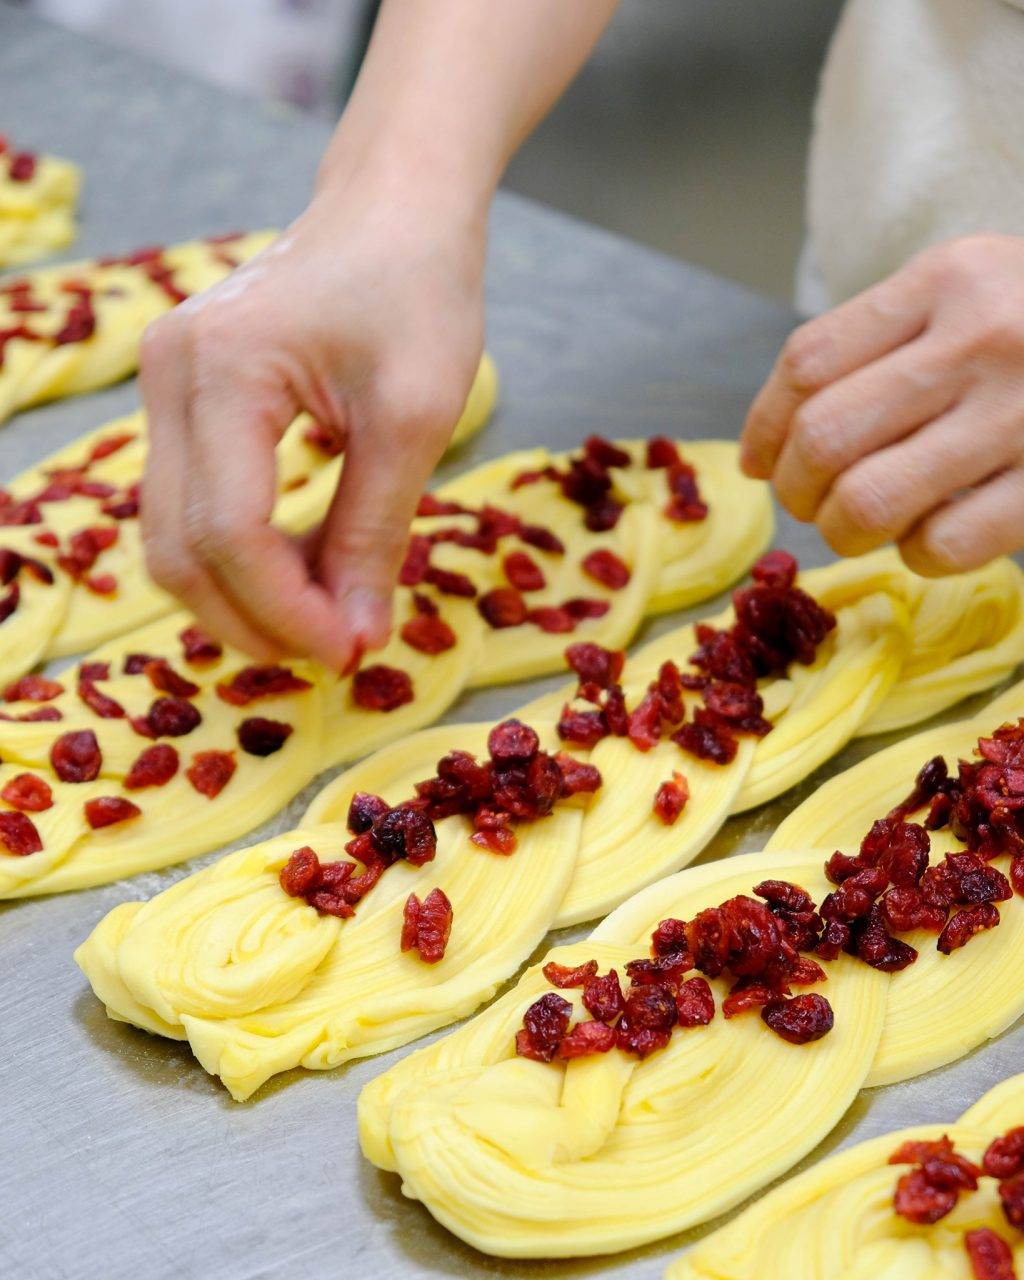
(367, 313)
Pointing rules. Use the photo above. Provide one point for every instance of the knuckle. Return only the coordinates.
(804, 356)
(170, 568)
(215, 534)
(863, 505)
(965, 260)
(818, 438)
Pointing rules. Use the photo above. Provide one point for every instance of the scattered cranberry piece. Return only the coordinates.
(967, 922)
(800, 1019)
(523, 572)
(427, 925)
(258, 736)
(211, 771)
(76, 756)
(919, 1201)
(1011, 1197)
(96, 700)
(381, 688)
(154, 766)
(254, 683)
(33, 689)
(585, 1039)
(107, 811)
(662, 452)
(164, 678)
(405, 832)
(603, 998)
(19, 835)
(577, 778)
(198, 647)
(594, 664)
(670, 799)
(562, 976)
(607, 568)
(545, 1022)
(707, 739)
(364, 810)
(22, 166)
(503, 607)
(1004, 1157)
(428, 633)
(990, 1256)
(669, 938)
(535, 535)
(695, 1003)
(450, 583)
(512, 740)
(27, 792)
(300, 873)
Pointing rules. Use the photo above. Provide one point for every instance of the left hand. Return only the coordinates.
(899, 416)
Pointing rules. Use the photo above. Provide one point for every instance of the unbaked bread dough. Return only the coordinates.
(38, 195)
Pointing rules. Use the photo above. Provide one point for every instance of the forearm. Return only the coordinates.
(450, 88)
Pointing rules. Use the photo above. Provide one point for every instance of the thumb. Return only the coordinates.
(388, 461)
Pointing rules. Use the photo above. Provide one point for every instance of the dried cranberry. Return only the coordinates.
(918, 1201)
(364, 810)
(545, 1022)
(662, 452)
(904, 910)
(669, 938)
(594, 664)
(449, 583)
(641, 1042)
(603, 515)
(22, 166)
(535, 535)
(300, 873)
(747, 994)
(164, 678)
(172, 717)
(33, 689)
(584, 728)
(586, 1038)
(76, 756)
(644, 724)
(512, 740)
(1011, 1197)
(775, 569)
(707, 740)
(261, 737)
(651, 1006)
(503, 607)
(107, 811)
(199, 647)
(500, 840)
(695, 1003)
(670, 799)
(429, 634)
(932, 778)
(560, 975)
(855, 897)
(135, 663)
(253, 683)
(840, 866)
(1004, 1157)
(427, 925)
(210, 772)
(97, 701)
(967, 922)
(607, 568)
(27, 792)
(578, 609)
(19, 835)
(381, 688)
(602, 997)
(877, 947)
(605, 453)
(835, 938)
(404, 832)
(523, 572)
(154, 766)
(799, 1019)
(990, 1256)
(577, 778)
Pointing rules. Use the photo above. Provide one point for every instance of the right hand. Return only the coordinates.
(367, 313)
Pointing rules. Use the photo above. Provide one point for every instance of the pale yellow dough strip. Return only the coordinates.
(835, 1221)
(525, 1159)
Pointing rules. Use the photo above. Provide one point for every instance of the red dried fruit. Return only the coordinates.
(427, 925)
(775, 569)
(662, 452)
(381, 688)
(1004, 1157)
(605, 453)
(19, 835)
(33, 689)
(963, 926)
(27, 792)
(198, 647)
(669, 938)
(707, 739)
(107, 811)
(651, 1007)
(747, 994)
(429, 634)
(562, 976)
(535, 535)
(300, 873)
(545, 1022)
(1011, 1197)
(523, 572)
(855, 897)
(670, 799)
(153, 767)
(449, 583)
(835, 938)
(364, 810)
(602, 997)
(932, 779)
(503, 607)
(404, 832)
(877, 947)
(904, 910)
(22, 166)
(667, 970)
(254, 683)
(495, 840)
(586, 1038)
(695, 1003)
(96, 700)
(799, 1019)
(594, 664)
(918, 1201)
(76, 756)
(259, 736)
(577, 778)
(172, 718)
(101, 584)
(512, 740)
(607, 568)
(603, 515)
(211, 771)
(9, 602)
(990, 1256)
(644, 723)
(163, 677)
(584, 728)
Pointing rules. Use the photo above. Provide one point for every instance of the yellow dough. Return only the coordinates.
(41, 605)
(37, 214)
(941, 1006)
(527, 1159)
(259, 983)
(836, 1221)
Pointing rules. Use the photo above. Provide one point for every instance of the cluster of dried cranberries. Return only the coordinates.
(757, 943)
(932, 1189)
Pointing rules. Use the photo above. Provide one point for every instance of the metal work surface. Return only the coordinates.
(119, 1157)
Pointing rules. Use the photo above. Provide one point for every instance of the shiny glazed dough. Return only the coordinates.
(527, 1159)
(835, 1221)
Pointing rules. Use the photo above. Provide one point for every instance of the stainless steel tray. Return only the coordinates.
(119, 1157)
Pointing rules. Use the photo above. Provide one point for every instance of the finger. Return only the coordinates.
(825, 349)
(867, 410)
(164, 379)
(366, 531)
(970, 530)
(258, 571)
(881, 498)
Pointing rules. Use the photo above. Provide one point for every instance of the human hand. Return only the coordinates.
(367, 313)
(899, 415)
